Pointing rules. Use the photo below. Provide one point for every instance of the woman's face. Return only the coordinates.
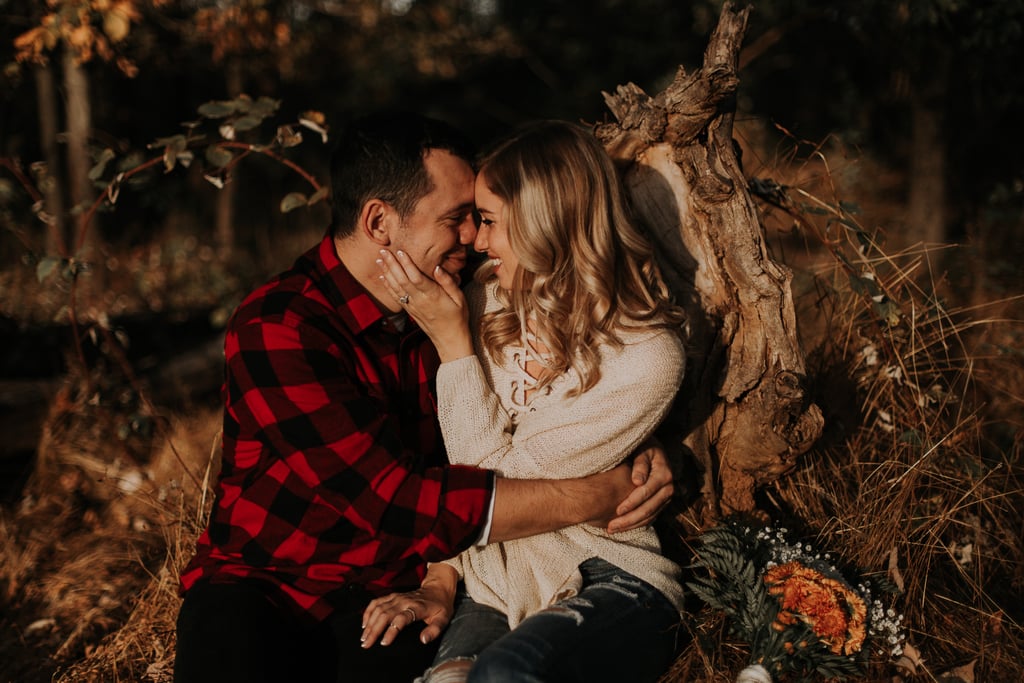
(492, 235)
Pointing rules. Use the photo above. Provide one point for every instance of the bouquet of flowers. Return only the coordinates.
(794, 609)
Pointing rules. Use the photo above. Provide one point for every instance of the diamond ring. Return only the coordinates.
(404, 299)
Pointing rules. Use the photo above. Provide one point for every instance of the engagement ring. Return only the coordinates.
(404, 299)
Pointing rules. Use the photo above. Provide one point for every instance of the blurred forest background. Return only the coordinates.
(903, 116)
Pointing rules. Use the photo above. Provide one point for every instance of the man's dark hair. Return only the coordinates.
(381, 156)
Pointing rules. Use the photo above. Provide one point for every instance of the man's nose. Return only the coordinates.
(467, 231)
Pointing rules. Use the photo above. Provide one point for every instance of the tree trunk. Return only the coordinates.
(86, 244)
(57, 236)
(926, 210)
(746, 416)
(224, 221)
(926, 202)
(79, 122)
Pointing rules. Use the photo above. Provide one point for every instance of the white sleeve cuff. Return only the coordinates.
(485, 533)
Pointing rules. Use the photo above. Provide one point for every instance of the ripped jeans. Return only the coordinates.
(618, 628)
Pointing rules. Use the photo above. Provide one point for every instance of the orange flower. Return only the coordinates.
(834, 612)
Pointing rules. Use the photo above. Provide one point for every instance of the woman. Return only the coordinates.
(577, 353)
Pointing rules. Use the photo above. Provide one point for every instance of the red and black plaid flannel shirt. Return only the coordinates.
(333, 477)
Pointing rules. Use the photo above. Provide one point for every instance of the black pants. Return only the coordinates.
(232, 632)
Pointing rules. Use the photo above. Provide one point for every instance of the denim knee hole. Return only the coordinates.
(451, 671)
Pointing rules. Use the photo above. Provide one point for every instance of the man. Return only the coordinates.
(334, 488)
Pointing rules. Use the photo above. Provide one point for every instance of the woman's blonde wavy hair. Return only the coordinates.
(586, 273)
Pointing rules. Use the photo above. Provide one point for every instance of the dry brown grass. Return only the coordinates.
(928, 487)
(92, 553)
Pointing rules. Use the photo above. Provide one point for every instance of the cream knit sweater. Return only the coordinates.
(486, 423)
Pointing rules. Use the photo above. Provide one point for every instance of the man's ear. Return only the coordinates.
(377, 220)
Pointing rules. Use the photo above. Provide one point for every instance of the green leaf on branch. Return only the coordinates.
(248, 122)
(174, 151)
(292, 201)
(175, 140)
(264, 107)
(46, 266)
(216, 109)
(218, 156)
(96, 172)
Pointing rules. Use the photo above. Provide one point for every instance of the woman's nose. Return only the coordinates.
(480, 244)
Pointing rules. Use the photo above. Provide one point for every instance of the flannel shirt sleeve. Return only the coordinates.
(341, 484)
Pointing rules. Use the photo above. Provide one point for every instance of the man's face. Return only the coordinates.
(440, 226)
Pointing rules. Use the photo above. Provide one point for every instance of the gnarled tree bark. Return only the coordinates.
(746, 417)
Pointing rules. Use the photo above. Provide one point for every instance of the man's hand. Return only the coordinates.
(654, 481)
(623, 498)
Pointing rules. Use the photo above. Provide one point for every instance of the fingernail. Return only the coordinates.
(380, 262)
(401, 253)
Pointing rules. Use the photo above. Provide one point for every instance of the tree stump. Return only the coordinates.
(745, 415)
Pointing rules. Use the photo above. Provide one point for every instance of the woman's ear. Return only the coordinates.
(377, 220)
